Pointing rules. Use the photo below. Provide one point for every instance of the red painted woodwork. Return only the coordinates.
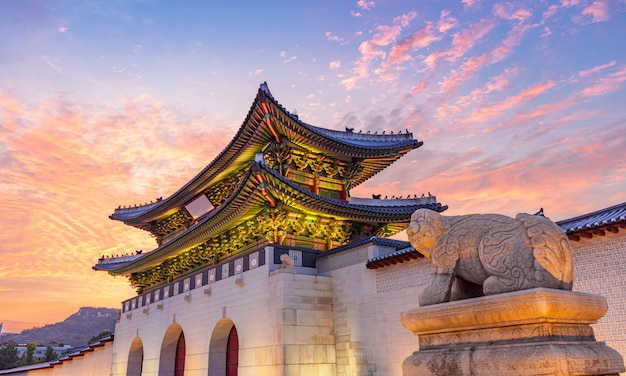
(179, 362)
(232, 353)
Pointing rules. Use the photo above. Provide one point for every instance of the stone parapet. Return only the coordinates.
(530, 332)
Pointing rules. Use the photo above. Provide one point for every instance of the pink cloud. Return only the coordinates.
(469, 3)
(450, 84)
(420, 38)
(374, 48)
(446, 21)
(366, 5)
(598, 68)
(599, 11)
(462, 42)
(336, 38)
(489, 112)
(511, 11)
(497, 83)
(474, 181)
(605, 85)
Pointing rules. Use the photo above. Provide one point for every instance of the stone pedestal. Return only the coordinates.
(529, 332)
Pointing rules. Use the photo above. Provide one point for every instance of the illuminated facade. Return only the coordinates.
(217, 295)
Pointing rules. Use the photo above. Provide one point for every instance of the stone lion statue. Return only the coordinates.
(286, 262)
(486, 254)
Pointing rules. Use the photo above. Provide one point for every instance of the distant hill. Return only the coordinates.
(75, 330)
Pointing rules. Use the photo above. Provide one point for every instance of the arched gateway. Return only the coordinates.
(135, 358)
(224, 349)
(172, 358)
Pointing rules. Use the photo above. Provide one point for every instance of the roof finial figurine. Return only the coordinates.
(349, 130)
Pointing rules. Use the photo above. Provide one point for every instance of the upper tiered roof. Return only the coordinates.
(268, 121)
(269, 185)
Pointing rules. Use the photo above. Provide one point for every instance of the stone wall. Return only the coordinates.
(600, 268)
(91, 361)
(284, 322)
(370, 340)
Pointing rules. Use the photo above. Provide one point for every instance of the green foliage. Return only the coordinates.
(8, 356)
(98, 337)
(29, 357)
(50, 354)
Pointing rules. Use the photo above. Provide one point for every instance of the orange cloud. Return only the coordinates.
(64, 169)
(472, 181)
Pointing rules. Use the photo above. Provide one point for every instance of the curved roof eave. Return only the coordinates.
(253, 136)
(246, 198)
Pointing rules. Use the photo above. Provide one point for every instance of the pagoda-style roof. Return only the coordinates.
(610, 219)
(268, 122)
(261, 190)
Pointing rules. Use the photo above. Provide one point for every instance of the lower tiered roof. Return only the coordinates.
(263, 204)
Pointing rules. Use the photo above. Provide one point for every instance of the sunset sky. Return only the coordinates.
(520, 105)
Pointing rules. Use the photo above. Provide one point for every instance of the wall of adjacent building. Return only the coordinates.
(600, 268)
(94, 361)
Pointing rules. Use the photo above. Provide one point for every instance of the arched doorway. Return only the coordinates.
(224, 349)
(172, 357)
(135, 358)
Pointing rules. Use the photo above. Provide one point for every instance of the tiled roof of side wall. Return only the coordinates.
(610, 219)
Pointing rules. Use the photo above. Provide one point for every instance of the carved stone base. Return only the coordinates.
(529, 332)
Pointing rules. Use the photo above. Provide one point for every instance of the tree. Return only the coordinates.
(50, 354)
(8, 356)
(97, 338)
(29, 357)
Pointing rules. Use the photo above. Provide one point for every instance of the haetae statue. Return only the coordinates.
(486, 254)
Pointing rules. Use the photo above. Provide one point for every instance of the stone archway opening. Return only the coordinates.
(135, 358)
(172, 357)
(224, 349)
